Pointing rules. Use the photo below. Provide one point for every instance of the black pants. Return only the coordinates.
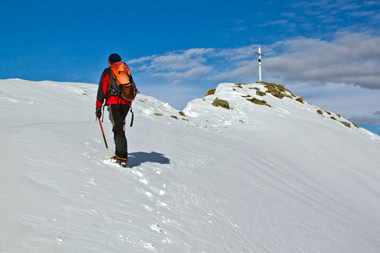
(118, 113)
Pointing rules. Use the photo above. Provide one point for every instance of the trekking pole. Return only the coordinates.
(104, 137)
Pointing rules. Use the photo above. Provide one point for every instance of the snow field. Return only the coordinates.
(285, 179)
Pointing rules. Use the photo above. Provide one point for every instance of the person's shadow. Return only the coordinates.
(137, 158)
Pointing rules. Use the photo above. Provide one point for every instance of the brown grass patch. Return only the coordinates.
(239, 85)
(346, 124)
(211, 92)
(222, 103)
(258, 102)
(277, 90)
(260, 93)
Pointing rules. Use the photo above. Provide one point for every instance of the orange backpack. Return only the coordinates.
(122, 83)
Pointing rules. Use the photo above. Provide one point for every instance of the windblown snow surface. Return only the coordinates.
(250, 179)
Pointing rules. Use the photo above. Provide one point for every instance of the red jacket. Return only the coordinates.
(103, 87)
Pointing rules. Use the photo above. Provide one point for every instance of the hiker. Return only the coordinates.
(117, 103)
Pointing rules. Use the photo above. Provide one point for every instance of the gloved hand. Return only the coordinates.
(98, 112)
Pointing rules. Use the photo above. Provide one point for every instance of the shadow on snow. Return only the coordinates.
(137, 158)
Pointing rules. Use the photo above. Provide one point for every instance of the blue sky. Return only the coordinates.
(325, 51)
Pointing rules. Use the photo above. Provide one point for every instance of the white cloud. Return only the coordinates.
(334, 74)
(352, 58)
(349, 58)
(196, 71)
(181, 60)
(141, 60)
(175, 65)
(353, 102)
(373, 119)
(246, 69)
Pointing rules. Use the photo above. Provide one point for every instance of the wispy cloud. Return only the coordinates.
(175, 65)
(350, 6)
(239, 28)
(196, 71)
(376, 17)
(372, 3)
(333, 7)
(362, 13)
(372, 119)
(274, 22)
(326, 17)
(141, 60)
(235, 54)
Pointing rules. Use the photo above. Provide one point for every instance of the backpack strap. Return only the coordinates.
(103, 111)
(133, 116)
(111, 92)
(108, 95)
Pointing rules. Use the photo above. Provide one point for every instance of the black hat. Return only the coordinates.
(114, 58)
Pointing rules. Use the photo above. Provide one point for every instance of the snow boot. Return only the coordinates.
(123, 162)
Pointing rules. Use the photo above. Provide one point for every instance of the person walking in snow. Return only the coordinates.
(114, 85)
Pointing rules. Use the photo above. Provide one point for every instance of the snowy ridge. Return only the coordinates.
(250, 179)
(245, 112)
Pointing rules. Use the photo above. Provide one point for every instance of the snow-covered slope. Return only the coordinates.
(255, 178)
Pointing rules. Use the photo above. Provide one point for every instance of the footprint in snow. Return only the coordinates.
(148, 208)
(59, 240)
(156, 227)
(91, 181)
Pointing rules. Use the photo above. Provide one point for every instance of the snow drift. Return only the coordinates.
(279, 176)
